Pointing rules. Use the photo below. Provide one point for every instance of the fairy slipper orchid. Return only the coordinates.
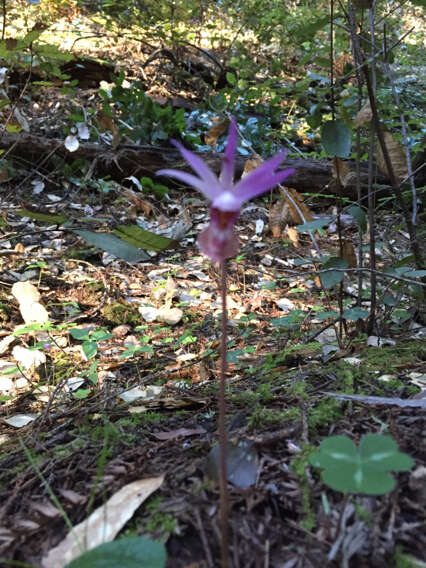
(219, 241)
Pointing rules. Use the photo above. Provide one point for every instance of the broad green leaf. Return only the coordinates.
(313, 225)
(336, 139)
(415, 274)
(101, 335)
(302, 261)
(14, 128)
(291, 321)
(43, 217)
(389, 300)
(48, 326)
(363, 469)
(90, 348)
(349, 479)
(356, 313)
(332, 277)
(359, 214)
(82, 393)
(129, 552)
(113, 245)
(325, 315)
(232, 355)
(317, 77)
(79, 333)
(382, 453)
(232, 80)
(138, 237)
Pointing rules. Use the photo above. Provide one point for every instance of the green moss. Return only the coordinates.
(66, 450)
(161, 522)
(292, 356)
(402, 355)
(121, 312)
(325, 413)
(402, 560)
(263, 416)
(298, 390)
(298, 466)
(246, 397)
(64, 366)
(264, 392)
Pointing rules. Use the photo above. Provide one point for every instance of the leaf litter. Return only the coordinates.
(92, 446)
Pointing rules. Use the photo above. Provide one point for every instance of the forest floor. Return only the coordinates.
(133, 394)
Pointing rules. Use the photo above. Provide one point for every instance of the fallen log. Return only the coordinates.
(125, 160)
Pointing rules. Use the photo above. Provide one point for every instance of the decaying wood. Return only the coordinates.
(135, 160)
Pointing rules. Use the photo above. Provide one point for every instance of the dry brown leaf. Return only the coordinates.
(211, 136)
(348, 253)
(106, 122)
(170, 291)
(278, 218)
(47, 509)
(364, 115)
(341, 173)
(397, 157)
(295, 205)
(72, 496)
(340, 62)
(293, 235)
(340, 169)
(251, 165)
(19, 247)
(103, 524)
(139, 202)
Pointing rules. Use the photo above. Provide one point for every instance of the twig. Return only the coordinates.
(204, 540)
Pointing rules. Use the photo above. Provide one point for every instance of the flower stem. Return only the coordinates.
(224, 504)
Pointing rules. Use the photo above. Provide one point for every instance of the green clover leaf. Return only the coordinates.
(363, 469)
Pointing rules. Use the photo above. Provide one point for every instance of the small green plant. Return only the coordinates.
(132, 350)
(363, 469)
(90, 339)
(141, 119)
(157, 189)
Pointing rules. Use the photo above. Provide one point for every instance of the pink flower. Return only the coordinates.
(219, 241)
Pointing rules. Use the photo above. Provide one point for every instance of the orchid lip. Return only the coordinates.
(227, 201)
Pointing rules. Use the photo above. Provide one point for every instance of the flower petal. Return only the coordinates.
(257, 186)
(200, 168)
(189, 179)
(227, 170)
(262, 178)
